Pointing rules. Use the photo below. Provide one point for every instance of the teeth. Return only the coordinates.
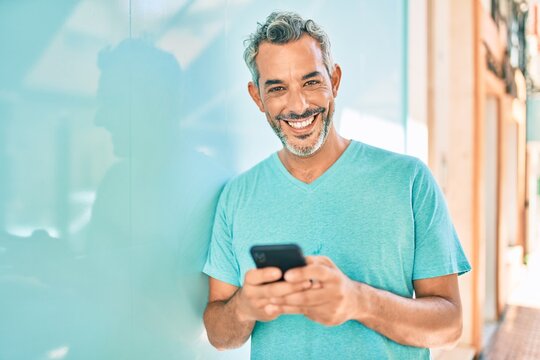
(303, 124)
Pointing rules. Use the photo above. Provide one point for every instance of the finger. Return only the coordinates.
(288, 309)
(316, 284)
(282, 288)
(315, 271)
(260, 303)
(305, 298)
(320, 259)
(272, 310)
(261, 276)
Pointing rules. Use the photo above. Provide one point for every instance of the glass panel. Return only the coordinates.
(120, 121)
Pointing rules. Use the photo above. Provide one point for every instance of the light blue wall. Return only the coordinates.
(119, 123)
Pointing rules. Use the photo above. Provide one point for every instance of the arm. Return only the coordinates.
(224, 328)
(432, 319)
(231, 312)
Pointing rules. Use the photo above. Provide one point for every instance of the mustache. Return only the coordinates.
(305, 114)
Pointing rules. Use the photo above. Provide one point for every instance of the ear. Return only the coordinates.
(254, 93)
(336, 79)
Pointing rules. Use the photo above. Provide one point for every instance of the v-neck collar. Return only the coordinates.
(347, 153)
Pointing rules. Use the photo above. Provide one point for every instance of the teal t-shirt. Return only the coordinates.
(378, 215)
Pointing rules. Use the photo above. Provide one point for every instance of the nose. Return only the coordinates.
(296, 102)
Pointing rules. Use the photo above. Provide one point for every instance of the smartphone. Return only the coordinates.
(283, 256)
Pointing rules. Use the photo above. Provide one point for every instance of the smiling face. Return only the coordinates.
(296, 93)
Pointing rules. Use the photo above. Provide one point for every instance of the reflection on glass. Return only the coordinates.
(152, 216)
(127, 283)
(113, 150)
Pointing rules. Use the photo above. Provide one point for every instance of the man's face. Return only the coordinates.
(296, 93)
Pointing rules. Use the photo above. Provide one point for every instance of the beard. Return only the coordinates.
(303, 150)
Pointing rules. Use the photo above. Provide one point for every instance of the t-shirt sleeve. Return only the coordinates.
(221, 263)
(438, 251)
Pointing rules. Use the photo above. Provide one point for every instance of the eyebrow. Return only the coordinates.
(271, 82)
(311, 74)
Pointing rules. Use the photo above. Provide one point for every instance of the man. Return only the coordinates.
(381, 279)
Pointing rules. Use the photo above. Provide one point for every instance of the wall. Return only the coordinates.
(417, 80)
(452, 131)
(491, 202)
(119, 123)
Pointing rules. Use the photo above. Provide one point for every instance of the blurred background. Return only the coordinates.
(120, 121)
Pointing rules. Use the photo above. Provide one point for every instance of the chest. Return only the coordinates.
(368, 231)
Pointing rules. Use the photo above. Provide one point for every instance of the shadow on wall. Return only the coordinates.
(128, 285)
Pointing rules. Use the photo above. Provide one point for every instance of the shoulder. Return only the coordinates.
(378, 160)
(248, 181)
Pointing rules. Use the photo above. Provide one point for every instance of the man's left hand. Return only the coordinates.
(331, 300)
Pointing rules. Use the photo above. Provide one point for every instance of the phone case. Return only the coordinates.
(283, 256)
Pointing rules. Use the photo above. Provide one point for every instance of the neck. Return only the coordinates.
(308, 169)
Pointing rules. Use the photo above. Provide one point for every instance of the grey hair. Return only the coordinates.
(282, 27)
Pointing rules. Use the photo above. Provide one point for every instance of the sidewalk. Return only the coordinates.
(518, 336)
(527, 293)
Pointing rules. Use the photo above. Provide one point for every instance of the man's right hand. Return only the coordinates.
(261, 285)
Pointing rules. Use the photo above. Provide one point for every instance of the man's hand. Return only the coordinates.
(332, 299)
(432, 319)
(253, 299)
(232, 311)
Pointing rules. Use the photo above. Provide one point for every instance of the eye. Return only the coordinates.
(276, 89)
(312, 83)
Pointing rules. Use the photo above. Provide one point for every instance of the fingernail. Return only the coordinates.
(289, 276)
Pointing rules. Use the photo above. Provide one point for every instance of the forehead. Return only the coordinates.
(280, 61)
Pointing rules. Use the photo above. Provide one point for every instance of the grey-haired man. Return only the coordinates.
(382, 246)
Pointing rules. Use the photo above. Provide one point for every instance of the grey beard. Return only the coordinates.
(305, 151)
